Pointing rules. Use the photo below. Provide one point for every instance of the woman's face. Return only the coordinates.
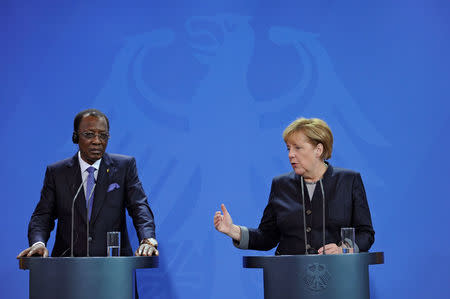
(304, 156)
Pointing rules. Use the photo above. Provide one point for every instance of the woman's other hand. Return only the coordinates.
(330, 249)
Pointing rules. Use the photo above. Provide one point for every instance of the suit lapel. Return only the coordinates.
(103, 180)
(74, 181)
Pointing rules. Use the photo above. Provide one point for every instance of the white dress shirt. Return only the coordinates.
(84, 173)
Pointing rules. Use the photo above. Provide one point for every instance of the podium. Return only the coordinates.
(316, 276)
(84, 277)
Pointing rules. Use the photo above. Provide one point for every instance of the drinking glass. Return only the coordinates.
(348, 239)
(113, 243)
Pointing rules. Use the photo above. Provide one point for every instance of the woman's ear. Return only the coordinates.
(319, 150)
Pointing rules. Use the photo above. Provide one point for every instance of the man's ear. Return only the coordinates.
(75, 138)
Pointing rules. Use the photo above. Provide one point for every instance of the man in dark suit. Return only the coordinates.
(111, 185)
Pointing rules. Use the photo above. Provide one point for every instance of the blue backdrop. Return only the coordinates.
(200, 91)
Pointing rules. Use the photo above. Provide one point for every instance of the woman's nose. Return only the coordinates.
(291, 154)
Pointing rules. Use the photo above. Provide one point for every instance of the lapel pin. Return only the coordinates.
(107, 170)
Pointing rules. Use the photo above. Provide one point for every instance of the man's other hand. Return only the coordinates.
(37, 249)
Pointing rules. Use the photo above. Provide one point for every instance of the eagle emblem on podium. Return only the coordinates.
(316, 277)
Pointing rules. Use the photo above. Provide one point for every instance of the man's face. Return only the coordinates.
(93, 138)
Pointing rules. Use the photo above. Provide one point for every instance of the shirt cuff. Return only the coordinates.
(243, 242)
(39, 242)
(149, 241)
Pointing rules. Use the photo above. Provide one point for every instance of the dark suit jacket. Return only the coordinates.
(118, 188)
(282, 221)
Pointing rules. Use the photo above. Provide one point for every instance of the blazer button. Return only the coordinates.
(308, 212)
(308, 229)
(308, 246)
(90, 239)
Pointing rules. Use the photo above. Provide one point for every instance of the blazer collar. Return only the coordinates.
(329, 170)
(326, 175)
(74, 173)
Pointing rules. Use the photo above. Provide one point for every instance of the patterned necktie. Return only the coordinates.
(89, 186)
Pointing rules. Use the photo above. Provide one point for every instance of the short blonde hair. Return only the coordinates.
(317, 132)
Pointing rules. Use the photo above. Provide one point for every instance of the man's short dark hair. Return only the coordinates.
(88, 112)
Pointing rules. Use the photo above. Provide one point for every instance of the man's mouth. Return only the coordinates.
(95, 151)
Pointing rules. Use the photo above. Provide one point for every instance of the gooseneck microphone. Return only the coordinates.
(73, 208)
(304, 216)
(323, 215)
(88, 220)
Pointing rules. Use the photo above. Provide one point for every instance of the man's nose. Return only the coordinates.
(96, 139)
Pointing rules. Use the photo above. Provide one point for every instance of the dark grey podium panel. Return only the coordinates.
(316, 276)
(84, 277)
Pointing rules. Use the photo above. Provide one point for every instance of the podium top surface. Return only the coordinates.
(136, 262)
(369, 258)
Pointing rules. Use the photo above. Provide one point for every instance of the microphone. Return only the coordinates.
(323, 216)
(88, 220)
(73, 208)
(304, 215)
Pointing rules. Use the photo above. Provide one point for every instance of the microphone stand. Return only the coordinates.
(88, 220)
(304, 216)
(323, 216)
(73, 206)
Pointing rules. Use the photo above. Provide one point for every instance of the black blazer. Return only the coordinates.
(282, 221)
(118, 188)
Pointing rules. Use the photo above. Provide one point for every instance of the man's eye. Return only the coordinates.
(89, 135)
(103, 136)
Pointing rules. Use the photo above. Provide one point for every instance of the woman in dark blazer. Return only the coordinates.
(307, 207)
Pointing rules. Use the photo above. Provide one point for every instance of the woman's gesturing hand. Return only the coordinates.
(223, 222)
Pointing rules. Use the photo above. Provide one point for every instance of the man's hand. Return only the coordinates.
(37, 249)
(330, 249)
(147, 248)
